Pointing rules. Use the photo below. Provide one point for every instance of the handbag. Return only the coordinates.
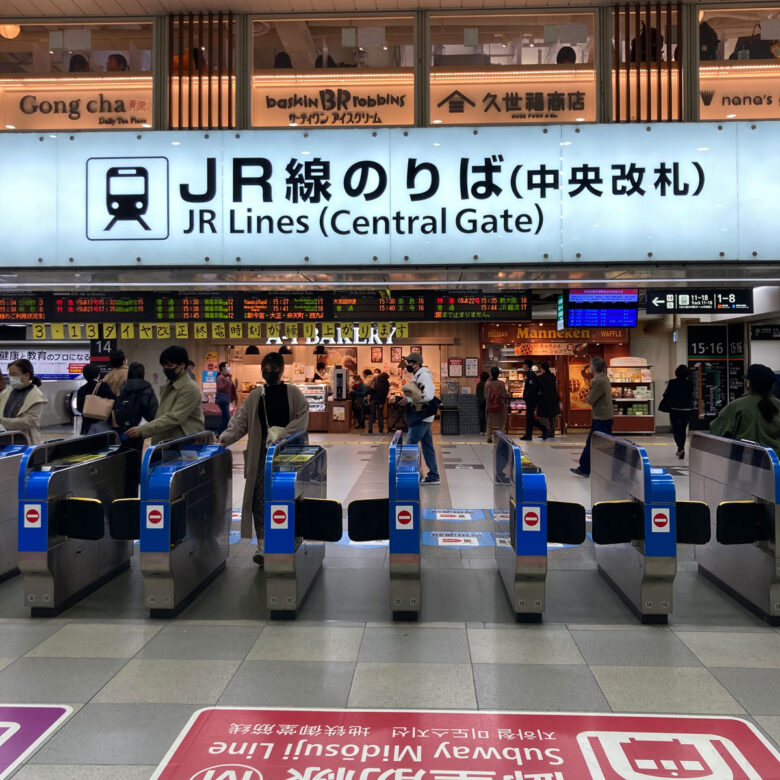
(96, 407)
(753, 47)
(273, 432)
(664, 405)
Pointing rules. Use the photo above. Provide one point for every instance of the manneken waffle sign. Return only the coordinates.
(279, 744)
(423, 196)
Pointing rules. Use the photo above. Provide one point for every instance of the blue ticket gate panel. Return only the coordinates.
(397, 519)
(524, 522)
(740, 481)
(298, 520)
(12, 447)
(65, 491)
(182, 519)
(637, 523)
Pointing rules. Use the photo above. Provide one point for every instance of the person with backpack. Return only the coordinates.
(117, 376)
(91, 373)
(136, 402)
(549, 401)
(226, 394)
(377, 393)
(496, 400)
(420, 419)
(532, 395)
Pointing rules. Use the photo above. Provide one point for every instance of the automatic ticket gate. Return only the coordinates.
(396, 518)
(65, 492)
(12, 447)
(298, 519)
(524, 522)
(740, 481)
(637, 524)
(182, 519)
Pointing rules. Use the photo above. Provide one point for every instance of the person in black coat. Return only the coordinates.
(136, 402)
(532, 392)
(678, 401)
(92, 373)
(549, 401)
(377, 393)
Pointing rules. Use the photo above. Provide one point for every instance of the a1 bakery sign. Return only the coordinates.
(221, 743)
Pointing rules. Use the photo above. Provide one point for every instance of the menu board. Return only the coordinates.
(372, 306)
(26, 307)
(602, 307)
(187, 307)
(468, 306)
(289, 307)
(96, 307)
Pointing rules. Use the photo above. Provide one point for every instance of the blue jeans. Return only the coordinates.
(603, 426)
(222, 400)
(420, 433)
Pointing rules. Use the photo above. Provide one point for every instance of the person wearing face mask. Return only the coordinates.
(226, 394)
(270, 413)
(22, 402)
(180, 412)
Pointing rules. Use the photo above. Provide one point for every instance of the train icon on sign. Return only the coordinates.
(622, 755)
(127, 198)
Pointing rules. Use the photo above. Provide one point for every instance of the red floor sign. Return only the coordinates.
(289, 744)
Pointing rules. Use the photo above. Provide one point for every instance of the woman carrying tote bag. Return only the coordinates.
(95, 400)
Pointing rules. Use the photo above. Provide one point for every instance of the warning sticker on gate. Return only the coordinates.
(532, 517)
(404, 517)
(154, 515)
(279, 516)
(457, 538)
(660, 520)
(32, 515)
(224, 743)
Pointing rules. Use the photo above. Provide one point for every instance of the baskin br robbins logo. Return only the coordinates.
(127, 198)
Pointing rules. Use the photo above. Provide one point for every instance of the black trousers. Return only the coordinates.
(679, 420)
(531, 421)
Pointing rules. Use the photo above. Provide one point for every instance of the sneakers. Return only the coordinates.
(430, 480)
(579, 472)
(526, 438)
(259, 557)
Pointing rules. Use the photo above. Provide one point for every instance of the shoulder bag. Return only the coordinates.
(96, 407)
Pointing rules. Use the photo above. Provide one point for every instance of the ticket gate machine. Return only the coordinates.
(12, 447)
(396, 518)
(524, 522)
(637, 524)
(740, 481)
(182, 519)
(298, 519)
(65, 491)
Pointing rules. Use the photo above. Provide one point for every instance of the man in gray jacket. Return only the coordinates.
(600, 400)
(419, 420)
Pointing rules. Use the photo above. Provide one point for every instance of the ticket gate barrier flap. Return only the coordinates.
(12, 447)
(566, 523)
(182, 519)
(740, 482)
(368, 519)
(65, 490)
(620, 522)
(296, 481)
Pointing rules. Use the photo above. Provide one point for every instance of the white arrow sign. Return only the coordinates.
(657, 301)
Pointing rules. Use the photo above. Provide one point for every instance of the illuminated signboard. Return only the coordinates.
(409, 305)
(95, 307)
(26, 307)
(480, 306)
(186, 307)
(597, 307)
(290, 307)
(699, 301)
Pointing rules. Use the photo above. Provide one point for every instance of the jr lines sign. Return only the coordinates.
(361, 197)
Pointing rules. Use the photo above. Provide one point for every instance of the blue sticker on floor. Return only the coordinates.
(345, 540)
(458, 539)
(453, 515)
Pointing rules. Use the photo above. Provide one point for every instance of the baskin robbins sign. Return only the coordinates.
(503, 195)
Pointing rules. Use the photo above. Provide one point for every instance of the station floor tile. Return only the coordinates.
(752, 650)
(18, 638)
(547, 646)
(56, 680)
(195, 642)
(306, 643)
(82, 772)
(665, 689)
(556, 688)
(443, 686)
(115, 734)
(290, 684)
(646, 647)
(95, 640)
(164, 681)
(757, 690)
(399, 644)
(770, 724)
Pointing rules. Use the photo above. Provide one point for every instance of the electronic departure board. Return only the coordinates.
(469, 306)
(96, 307)
(379, 306)
(602, 308)
(288, 307)
(25, 307)
(188, 307)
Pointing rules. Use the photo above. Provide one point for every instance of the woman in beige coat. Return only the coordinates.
(22, 402)
(275, 411)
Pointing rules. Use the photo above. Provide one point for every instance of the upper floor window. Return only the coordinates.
(333, 72)
(76, 76)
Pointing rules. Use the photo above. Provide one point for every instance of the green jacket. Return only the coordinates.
(179, 413)
(600, 397)
(742, 419)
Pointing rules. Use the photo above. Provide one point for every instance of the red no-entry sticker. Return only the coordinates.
(32, 515)
(660, 520)
(404, 516)
(279, 516)
(282, 744)
(531, 516)
(154, 516)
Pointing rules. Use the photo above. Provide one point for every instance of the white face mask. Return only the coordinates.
(226, 369)
(15, 382)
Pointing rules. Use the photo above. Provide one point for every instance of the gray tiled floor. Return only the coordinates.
(140, 680)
